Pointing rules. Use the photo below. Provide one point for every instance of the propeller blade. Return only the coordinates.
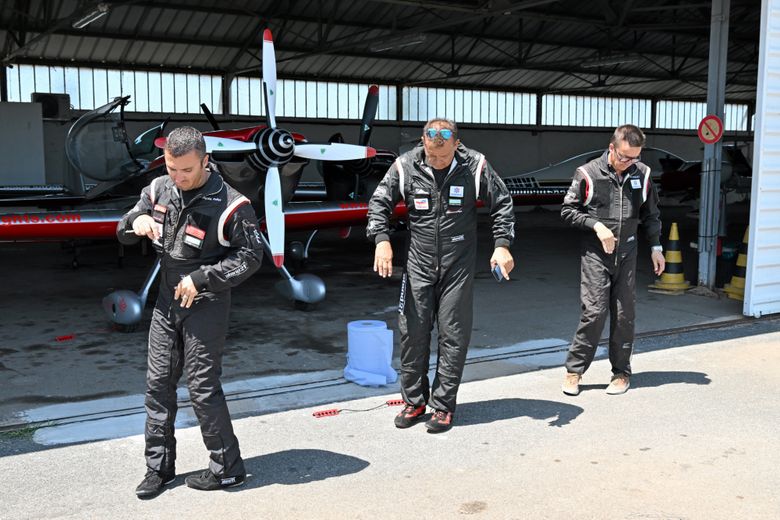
(369, 112)
(334, 151)
(269, 77)
(225, 144)
(274, 216)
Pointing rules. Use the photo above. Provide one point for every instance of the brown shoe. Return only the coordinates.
(618, 385)
(571, 385)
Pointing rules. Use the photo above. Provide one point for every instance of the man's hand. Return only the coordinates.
(659, 262)
(503, 258)
(187, 291)
(383, 259)
(606, 237)
(144, 225)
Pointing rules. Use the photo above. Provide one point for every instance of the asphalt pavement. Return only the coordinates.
(694, 438)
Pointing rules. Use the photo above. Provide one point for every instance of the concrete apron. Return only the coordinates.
(124, 416)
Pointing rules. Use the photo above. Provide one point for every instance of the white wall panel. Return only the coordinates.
(762, 287)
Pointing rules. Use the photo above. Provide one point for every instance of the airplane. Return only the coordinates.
(243, 156)
(674, 176)
(263, 162)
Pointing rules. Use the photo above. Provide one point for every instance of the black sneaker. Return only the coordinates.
(153, 483)
(208, 481)
(409, 416)
(440, 422)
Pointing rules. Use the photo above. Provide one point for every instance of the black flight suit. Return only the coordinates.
(440, 262)
(608, 280)
(213, 239)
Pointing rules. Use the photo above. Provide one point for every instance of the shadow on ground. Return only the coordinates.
(557, 414)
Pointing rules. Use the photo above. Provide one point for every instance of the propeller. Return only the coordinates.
(353, 178)
(369, 112)
(272, 147)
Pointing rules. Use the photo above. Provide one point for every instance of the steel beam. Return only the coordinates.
(709, 209)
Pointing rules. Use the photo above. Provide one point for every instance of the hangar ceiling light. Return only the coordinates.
(398, 42)
(98, 12)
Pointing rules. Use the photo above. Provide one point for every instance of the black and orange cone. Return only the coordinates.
(736, 288)
(672, 280)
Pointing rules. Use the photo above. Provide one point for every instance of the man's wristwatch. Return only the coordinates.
(660, 249)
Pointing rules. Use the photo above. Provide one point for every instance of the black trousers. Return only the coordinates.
(608, 288)
(191, 339)
(448, 300)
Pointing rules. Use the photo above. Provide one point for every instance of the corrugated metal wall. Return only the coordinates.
(762, 289)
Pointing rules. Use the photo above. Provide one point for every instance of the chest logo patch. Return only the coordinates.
(456, 191)
(636, 184)
(194, 236)
(422, 204)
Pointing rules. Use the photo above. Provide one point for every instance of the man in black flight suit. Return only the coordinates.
(608, 199)
(440, 181)
(205, 234)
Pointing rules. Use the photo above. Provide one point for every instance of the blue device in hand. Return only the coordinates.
(497, 274)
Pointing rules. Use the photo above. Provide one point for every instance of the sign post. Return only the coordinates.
(710, 129)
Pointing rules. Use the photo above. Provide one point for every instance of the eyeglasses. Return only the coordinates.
(445, 133)
(624, 158)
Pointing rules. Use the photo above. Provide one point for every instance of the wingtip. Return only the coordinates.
(278, 261)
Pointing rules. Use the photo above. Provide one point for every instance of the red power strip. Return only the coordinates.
(395, 402)
(326, 413)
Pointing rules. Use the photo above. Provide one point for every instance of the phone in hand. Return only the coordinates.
(497, 274)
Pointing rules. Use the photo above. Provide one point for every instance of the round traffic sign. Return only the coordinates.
(710, 129)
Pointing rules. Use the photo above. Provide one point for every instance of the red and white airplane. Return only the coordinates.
(263, 162)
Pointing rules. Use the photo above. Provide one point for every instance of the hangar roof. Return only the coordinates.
(653, 48)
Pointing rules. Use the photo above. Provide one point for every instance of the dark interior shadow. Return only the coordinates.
(585, 388)
(555, 413)
(291, 467)
(653, 379)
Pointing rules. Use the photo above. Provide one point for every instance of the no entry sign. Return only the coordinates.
(710, 129)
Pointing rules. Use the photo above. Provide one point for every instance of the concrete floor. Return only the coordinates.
(694, 438)
(45, 299)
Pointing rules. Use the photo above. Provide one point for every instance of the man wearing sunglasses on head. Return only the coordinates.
(609, 198)
(440, 180)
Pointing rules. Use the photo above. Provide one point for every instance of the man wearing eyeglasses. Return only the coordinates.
(609, 198)
(441, 182)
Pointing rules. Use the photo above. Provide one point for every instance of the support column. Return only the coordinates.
(709, 209)
(227, 79)
(3, 83)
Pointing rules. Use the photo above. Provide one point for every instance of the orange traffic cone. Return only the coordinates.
(672, 280)
(736, 289)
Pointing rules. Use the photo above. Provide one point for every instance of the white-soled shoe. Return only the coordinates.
(618, 385)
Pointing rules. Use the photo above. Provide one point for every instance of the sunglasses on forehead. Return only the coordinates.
(445, 133)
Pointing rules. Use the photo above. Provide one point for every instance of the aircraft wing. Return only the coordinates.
(101, 224)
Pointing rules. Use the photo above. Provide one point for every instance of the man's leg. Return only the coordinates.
(415, 321)
(204, 330)
(595, 288)
(164, 368)
(622, 306)
(455, 318)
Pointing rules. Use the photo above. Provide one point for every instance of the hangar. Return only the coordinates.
(530, 83)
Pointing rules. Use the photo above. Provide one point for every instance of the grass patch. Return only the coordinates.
(25, 433)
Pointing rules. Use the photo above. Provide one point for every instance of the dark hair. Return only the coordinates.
(185, 139)
(630, 134)
(448, 122)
